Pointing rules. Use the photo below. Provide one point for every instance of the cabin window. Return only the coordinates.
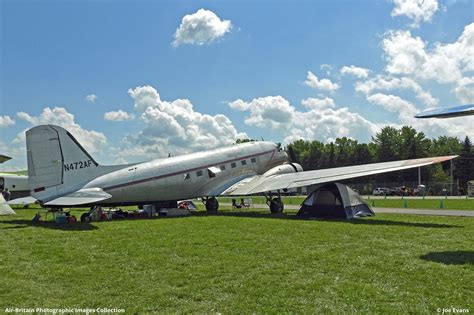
(187, 176)
(199, 173)
(244, 162)
(254, 160)
(222, 167)
(233, 165)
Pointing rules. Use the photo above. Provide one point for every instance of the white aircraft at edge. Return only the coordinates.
(62, 174)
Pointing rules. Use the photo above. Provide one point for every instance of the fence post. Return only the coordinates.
(441, 204)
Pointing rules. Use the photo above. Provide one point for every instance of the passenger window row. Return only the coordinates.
(222, 167)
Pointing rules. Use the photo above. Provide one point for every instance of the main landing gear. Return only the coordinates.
(211, 204)
(275, 203)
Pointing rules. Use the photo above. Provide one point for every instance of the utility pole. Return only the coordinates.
(452, 178)
(419, 176)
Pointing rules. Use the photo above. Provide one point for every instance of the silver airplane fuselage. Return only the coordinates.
(206, 173)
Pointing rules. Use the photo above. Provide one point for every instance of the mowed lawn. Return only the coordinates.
(250, 262)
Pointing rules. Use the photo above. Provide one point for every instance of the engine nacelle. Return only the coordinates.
(284, 169)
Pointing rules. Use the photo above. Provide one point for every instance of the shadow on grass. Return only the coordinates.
(450, 257)
(285, 216)
(49, 225)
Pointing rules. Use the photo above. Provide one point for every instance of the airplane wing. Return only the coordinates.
(4, 158)
(22, 201)
(260, 183)
(447, 112)
(80, 197)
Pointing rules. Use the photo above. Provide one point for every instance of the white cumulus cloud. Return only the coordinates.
(119, 115)
(273, 112)
(405, 110)
(91, 140)
(464, 90)
(322, 120)
(91, 98)
(390, 83)
(202, 27)
(320, 84)
(417, 10)
(445, 63)
(318, 103)
(175, 127)
(355, 71)
(6, 121)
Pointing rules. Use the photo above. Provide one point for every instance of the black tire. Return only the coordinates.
(276, 205)
(212, 204)
(85, 217)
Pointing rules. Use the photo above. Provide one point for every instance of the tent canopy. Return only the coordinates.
(4, 207)
(334, 200)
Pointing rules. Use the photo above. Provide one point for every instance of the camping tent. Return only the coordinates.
(4, 207)
(334, 200)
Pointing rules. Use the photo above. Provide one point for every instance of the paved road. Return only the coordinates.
(459, 213)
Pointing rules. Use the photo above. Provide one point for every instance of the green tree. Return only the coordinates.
(464, 170)
(387, 143)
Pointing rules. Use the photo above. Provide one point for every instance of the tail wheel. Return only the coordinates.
(276, 205)
(212, 204)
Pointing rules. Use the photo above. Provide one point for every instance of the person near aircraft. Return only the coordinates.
(6, 194)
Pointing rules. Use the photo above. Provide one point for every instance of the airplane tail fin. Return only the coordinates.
(57, 163)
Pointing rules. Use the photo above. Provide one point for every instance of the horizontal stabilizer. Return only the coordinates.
(22, 201)
(80, 197)
(4, 207)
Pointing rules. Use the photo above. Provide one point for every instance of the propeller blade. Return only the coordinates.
(292, 154)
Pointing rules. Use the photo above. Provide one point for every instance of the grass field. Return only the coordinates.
(440, 203)
(237, 262)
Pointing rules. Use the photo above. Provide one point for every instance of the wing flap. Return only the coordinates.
(261, 183)
(80, 197)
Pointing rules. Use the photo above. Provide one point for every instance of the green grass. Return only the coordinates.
(441, 203)
(240, 262)
(448, 204)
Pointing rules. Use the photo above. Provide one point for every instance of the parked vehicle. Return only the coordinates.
(419, 190)
(380, 191)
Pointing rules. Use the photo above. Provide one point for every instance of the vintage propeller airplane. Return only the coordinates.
(16, 183)
(62, 173)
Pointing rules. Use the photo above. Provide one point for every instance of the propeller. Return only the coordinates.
(292, 154)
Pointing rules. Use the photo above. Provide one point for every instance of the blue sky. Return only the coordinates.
(240, 68)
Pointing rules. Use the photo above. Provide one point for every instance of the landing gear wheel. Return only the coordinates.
(276, 205)
(85, 217)
(212, 204)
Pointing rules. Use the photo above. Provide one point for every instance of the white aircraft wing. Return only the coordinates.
(447, 112)
(260, 183)
(80, 197)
